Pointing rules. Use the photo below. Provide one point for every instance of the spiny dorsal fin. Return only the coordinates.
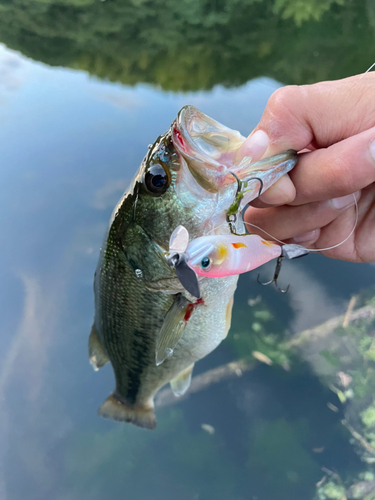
(116, 409)
(97, 354)
(181, 383)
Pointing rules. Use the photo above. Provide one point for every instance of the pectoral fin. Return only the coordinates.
(97, 354)
(181, 383)
(171, 330)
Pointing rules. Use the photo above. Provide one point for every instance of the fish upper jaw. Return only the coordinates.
(208, 149)
(207, 146)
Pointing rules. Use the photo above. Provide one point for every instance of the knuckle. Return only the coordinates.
(285, 117)
(342, 173)
(283, 98)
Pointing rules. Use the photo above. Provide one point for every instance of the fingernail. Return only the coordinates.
(254, 146)
(281, 193)
(372, 149)
(310, 236)
(345, 201)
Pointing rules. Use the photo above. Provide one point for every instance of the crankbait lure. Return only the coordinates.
(216, 256)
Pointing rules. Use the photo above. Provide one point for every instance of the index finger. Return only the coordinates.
(317, 115)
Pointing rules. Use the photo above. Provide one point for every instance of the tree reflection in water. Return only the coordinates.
(191, 45)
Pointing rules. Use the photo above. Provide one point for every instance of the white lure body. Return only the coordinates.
(217, 256)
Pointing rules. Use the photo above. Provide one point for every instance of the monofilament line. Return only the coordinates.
(316, 249)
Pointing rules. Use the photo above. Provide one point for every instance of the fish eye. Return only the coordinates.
(205, 263)
(157, 179)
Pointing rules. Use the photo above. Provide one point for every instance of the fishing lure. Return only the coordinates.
(227, 255)
(216, 256)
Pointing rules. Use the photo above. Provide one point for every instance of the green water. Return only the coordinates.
(85, 86)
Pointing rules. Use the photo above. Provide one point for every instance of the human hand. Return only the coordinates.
(314, 206)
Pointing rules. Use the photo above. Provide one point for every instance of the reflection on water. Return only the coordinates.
(194, 45)
(294, 419)
(342, 353)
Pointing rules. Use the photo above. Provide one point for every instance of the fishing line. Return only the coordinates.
(370, 68)
(317, 249)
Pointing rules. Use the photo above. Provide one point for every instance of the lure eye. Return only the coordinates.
(157, 179)
(205, 263)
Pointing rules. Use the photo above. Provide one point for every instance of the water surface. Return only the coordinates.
(85, 86)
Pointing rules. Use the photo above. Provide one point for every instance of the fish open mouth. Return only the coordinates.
(208, 147)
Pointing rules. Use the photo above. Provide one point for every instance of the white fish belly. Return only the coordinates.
(209, 323)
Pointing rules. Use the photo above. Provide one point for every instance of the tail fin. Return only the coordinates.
(114, 408)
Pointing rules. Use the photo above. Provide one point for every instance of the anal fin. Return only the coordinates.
(181, 383)
(97, 354)
(114, 408)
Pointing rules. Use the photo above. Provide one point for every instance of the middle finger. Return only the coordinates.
(287, 221)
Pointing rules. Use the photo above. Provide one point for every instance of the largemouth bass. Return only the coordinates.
(150, 328)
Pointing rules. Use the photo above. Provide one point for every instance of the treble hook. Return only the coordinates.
(234, 208)
(275, 276)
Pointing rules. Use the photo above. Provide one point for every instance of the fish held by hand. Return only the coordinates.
(147, 325)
